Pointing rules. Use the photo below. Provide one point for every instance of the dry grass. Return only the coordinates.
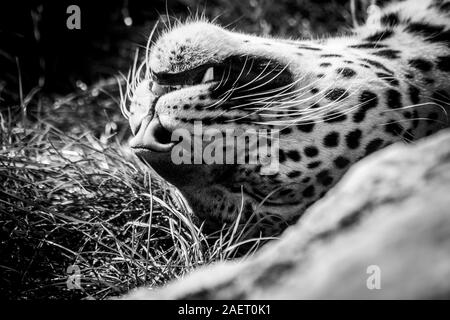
(77, 199)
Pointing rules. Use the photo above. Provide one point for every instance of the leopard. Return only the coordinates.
(333, 100)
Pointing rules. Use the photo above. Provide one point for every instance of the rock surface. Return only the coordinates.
(387, 219)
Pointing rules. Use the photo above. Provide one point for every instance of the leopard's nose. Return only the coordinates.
(151, 135)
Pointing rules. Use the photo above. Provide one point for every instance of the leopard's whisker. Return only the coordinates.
(221, 82)
(130, 90)
(147, 50)
(317, 112)
(446, 97)
(273, 91)
(314, 118)
(164, 22)
(240, 73)
(123, 97)
(284, 103)
(167, 15)
(446, 102)
(412, 119)
(310, 84)
(255, 79)
(442, 108)
(229, 91)
(268, 81)
(278, 91)
(222, 98)
(296, 101)
(330, 107)
(260, 100)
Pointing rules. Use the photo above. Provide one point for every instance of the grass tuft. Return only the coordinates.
(77, 198)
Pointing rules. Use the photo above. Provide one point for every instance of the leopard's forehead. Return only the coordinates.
(188, 46)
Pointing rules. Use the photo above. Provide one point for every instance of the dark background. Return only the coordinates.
(34, 37)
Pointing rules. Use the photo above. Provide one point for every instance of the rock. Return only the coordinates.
(388, 219)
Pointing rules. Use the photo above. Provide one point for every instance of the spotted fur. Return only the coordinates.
(335, 101)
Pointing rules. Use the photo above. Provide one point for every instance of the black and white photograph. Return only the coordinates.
(247, 151)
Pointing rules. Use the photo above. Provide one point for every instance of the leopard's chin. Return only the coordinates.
(206, 187)
(179, 175)
(185, 176)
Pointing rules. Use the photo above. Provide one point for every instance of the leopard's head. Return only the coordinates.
(200, 72)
